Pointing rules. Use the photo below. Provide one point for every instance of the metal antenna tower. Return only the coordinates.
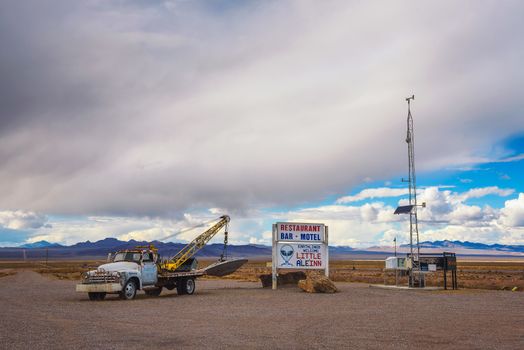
(412, 181)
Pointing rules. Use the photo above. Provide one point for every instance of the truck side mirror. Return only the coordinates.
(108, 257)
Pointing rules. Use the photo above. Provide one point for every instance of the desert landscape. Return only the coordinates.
(42, 311)
(166, 164)
(493, 273)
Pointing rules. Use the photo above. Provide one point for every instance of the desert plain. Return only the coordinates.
(41, 310)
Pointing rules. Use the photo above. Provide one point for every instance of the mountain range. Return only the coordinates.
(101, 248)
(471, 245)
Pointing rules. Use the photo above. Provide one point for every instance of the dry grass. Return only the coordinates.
(7, 272)
(471, 274)
(64, 270)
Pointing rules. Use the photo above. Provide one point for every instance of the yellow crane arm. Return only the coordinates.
(198, 243)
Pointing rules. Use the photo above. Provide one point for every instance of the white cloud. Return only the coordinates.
(348, 225)
(266, 238)
(509, 159)
(263, 104)
(447, 216)
(21, 219)
(484, 191)
(371, 193)
(124, 228)
(150, 234)
(513, 212)
(450, 207)
(464, 213)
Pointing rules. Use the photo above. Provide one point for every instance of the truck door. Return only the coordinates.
(149, 269)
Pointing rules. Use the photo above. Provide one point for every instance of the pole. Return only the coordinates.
(327, 252)
(395, 240)
(274, 258)
(413, 219)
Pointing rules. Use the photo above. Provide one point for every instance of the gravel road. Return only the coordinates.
(42, 313)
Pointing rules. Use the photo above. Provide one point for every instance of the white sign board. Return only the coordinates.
(299, 246)
(301, 255)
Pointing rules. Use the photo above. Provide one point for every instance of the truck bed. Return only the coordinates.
(167, 275)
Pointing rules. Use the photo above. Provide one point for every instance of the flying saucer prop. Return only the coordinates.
(224, 268)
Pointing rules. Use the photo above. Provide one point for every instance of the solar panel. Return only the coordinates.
(404, 209)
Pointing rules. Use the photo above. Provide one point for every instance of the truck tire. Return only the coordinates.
(154, 292)
(96, 296)
(129, 291)
(186, 286)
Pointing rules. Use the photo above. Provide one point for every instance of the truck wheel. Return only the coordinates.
(186, 286)
(153, 292)
(129, 291)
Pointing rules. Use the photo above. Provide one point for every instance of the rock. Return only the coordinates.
(317, 283)
(290, 278)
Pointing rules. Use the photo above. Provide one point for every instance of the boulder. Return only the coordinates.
(317, 283)
(290, 278)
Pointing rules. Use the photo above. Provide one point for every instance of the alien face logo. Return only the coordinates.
(286, 251)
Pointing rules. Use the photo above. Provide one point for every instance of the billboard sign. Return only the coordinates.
(302, 246)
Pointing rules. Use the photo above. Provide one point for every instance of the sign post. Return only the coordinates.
(300, 246)
(274, 257)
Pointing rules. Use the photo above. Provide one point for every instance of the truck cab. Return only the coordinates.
(145, 261)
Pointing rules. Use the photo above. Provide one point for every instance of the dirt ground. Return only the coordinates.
(41, 312)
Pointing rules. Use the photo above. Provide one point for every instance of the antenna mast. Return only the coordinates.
(412, 182)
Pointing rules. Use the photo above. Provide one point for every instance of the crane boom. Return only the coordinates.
(198, 243)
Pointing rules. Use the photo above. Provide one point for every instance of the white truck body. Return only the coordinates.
(143, 274)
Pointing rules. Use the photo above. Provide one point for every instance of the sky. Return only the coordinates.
(137, 119)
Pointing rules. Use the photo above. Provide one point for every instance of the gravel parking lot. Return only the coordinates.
(44, 313)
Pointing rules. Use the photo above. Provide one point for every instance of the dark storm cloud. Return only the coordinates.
(125, 108)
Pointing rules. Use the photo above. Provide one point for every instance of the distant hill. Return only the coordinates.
(40, 244)
(100, 249)
(470, 245)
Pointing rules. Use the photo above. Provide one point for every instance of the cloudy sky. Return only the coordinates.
(136, 119)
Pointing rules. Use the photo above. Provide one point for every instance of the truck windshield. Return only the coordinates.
(127, 256)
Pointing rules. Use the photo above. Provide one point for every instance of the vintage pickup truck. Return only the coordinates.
(138, 269)
(141, 269)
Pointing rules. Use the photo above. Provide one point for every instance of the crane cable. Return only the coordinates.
(188, 229)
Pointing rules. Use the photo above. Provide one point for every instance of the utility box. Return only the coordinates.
(396, 263)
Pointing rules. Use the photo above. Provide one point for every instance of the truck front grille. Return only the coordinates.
(101, 277)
